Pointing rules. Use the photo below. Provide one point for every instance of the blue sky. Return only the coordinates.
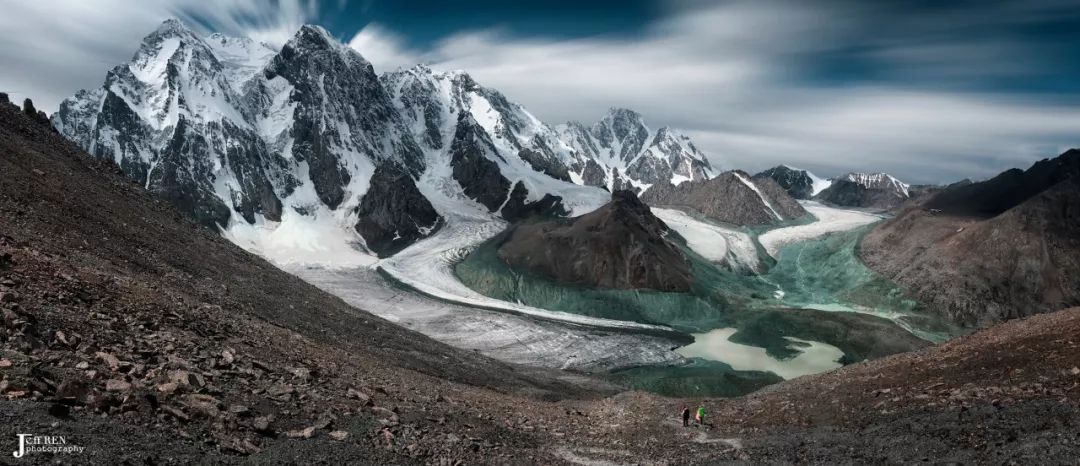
(931, 91)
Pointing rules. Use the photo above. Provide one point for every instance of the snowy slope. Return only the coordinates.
(829, 220)
(713, 242)
(819, 184)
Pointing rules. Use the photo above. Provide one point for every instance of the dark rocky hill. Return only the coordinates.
(977, 267)
(1008, 189)
(620, 245)
(797, 183)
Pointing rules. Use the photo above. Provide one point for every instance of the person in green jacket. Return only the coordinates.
(700, 415)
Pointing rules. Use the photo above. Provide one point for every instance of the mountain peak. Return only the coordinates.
(623, 114)
(310, 35)
(170, 29)
(171, 25)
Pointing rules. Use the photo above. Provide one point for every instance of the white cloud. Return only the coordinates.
(729, 75)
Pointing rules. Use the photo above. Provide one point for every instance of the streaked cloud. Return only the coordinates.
(931, 92)
(741, 78)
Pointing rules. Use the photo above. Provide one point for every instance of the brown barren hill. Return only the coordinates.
(620, 245)
(991, 251)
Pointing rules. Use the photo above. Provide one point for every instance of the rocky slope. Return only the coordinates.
(799, 184)
(147, 339)
(731, 197)
(874, 191)
(620, 245)
(986, 252)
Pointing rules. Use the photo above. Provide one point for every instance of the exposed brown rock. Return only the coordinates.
(978, 271)
(729, 198)
(620, 245)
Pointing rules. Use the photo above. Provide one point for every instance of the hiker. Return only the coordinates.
(700, 415)
(686, 416)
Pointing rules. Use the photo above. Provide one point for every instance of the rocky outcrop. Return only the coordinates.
(732, 197)
(874, 191)
(799, 184)
(518, 207)
(339, 108)
(593, 174)
(978, 270)
(478, 175)
(620, 245)
(393, 213)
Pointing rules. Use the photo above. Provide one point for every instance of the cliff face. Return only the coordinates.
(621, 245)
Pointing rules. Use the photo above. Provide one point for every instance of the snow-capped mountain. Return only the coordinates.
(874, 190)
(621, 152)
(280, 147)
(240, 135)
(799, 183)
(499, 154)
(883, 181)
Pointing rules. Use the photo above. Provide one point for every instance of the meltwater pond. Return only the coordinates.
(816, 307)
(813, 357)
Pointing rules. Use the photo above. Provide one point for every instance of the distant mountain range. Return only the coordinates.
(875, 190)
(237, 133)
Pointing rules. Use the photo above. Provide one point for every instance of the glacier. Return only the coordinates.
(829, 220)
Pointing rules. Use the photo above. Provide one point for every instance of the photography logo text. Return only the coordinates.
(30, 443)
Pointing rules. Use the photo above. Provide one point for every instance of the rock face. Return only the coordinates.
(977, 267)
(874, 191)
(732, 197)
(394, 214)
(620, 245)
(799, 184)
(621, 152)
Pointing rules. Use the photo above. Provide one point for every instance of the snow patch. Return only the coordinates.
(714, 243)
(300, 240)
